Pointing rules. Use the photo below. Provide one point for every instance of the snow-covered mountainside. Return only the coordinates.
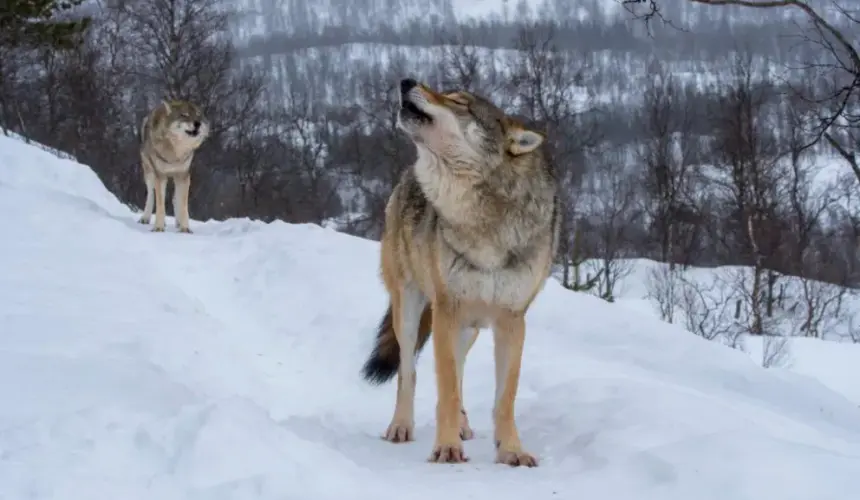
(263, 17)
(299, 17)
(336, 46)
(225, 365)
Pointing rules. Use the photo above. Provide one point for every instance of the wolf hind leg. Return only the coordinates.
(464, 344)
(408, 308)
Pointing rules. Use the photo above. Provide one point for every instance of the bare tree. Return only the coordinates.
(844, 214)
(309, 125)
(667, 154)
(546, 86)
(612, 211)
(663, 284)
(774, 352)
(255, 156)
(184, 43)
(818, 305)
(839, 123)
(373, 153)
(821, 307)
(467, 65)
(10, 66)
(707, 309)
(853, 331)
(746, 155)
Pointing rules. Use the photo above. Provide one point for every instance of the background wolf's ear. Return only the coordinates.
(523, 141)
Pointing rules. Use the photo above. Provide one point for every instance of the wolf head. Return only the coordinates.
(463, 128)
(184, 123)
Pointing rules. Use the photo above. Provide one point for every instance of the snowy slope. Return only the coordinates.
(833, 360)
(225, 365)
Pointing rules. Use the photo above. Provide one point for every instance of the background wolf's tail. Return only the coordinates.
(384, 361)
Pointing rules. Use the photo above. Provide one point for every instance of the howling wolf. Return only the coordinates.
(170, 134)
(471, 231)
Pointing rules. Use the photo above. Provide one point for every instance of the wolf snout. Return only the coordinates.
(406, 85)
(411, 103)
(195, 130)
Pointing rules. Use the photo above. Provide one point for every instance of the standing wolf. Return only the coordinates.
(169, 136)
(470, 234)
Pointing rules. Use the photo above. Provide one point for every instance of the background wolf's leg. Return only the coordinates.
(181, 185)
(160, 191)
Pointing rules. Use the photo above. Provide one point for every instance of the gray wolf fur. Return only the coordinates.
(170, 134)
(471, 231)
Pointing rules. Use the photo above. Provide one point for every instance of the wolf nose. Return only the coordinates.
(196, 124)
(406, 85)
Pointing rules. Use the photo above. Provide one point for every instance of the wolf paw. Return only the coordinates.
(143, 220)
(185, 230)
(451, 453)
(158, 229)
(516, 458)
(399, 432)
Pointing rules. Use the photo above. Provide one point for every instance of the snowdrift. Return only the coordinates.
(225, 365)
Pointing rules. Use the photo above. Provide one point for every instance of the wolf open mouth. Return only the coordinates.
(193, 133)
(410, 110)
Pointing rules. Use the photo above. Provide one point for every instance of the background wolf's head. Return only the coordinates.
(184, 122)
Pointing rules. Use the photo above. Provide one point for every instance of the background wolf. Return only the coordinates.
(169, 135)
(470, 234)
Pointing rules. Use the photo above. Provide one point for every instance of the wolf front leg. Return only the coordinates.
(446, 327)
(149, 180)
(181, 186)
(160, 191)
(509, 337)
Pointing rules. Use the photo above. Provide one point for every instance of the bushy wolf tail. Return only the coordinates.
(384, 360)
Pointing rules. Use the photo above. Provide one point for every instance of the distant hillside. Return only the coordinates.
(276, 26)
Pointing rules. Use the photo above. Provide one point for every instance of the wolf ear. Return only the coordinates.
(458, 97)
(522, 141)
(166, 106)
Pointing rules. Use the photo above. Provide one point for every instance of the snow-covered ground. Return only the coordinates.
(834, 360)
(225, 365)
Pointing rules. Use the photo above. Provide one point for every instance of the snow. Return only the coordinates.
(833, 361)
(834, 364)
(225, 365)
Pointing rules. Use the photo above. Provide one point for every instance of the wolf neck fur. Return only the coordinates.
(477, 222)
(170, 152)
(451, 194)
